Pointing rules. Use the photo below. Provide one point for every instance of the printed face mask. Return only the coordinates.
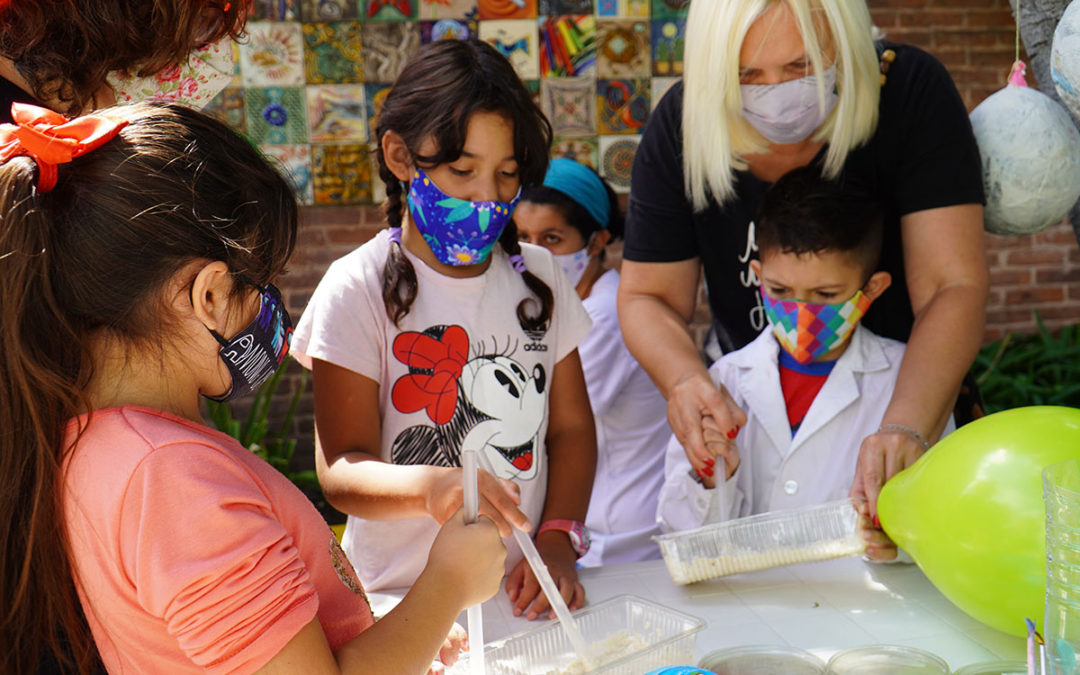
(574, 264)
(788, 112)
(208, 70)
(259, 349)
(807, 330)
(459, 232)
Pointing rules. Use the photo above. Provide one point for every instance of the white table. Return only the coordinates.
(820, 607)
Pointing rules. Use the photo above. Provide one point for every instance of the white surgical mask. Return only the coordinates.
(788, 112)
(208, 70)
(574, 264)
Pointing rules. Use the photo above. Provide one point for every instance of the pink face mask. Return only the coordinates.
(788, 112)
(807, 330)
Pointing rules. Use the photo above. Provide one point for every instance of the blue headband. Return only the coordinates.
(580, 183)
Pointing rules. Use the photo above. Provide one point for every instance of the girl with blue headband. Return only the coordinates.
(574, 214)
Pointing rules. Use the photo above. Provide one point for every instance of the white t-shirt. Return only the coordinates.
(631, 434)
(458, 369)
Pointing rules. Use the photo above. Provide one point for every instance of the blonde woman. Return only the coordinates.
(770, 86)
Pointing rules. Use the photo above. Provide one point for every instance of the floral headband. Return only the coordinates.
(50, 139)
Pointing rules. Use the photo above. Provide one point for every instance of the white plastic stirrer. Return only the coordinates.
(475, 613)
(547, 584)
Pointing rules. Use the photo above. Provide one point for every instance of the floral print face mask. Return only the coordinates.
(459, 232)
(208, 70)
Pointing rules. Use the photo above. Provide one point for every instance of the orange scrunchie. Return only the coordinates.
(50, 138)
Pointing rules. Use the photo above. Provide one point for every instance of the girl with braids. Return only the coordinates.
(444, 334)
(137, 253)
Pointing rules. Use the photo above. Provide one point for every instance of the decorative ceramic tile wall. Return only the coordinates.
(312, 75)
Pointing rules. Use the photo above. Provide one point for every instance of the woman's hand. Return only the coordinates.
(882, 455)
(693, 400)
(499, 499)
(524, 590)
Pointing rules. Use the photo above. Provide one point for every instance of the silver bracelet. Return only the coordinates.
(914, 433)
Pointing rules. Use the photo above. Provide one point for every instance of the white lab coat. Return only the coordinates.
(778, 471)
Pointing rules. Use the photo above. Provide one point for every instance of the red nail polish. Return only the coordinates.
(708, 471)
(731, 434)
(877, 523)
(710, 462)
(699, 473)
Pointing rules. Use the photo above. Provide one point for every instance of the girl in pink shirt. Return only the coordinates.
(137, 247)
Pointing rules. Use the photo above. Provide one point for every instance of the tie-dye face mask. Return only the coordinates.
(807, 330)
(208, 70)
(459, 232)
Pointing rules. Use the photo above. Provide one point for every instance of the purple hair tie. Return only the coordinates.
(395, 235)
(518, 262)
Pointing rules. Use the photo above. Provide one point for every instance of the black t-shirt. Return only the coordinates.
(922, 156)
(10, 93)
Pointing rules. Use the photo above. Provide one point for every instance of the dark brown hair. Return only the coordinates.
(434, 97)
(65, 48)
(90, 257)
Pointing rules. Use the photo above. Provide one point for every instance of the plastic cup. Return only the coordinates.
(886, 660)
(763, 660)
(1061, 490)
(995, 668)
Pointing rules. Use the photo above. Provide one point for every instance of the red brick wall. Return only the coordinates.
(975, 41)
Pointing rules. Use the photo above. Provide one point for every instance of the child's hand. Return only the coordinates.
(468, 560)
(499, 499)
(453, 645)
(524, 590)
(720, 444)
(693, 398)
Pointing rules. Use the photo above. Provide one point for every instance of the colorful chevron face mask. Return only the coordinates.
(459, 232)
(807, 330)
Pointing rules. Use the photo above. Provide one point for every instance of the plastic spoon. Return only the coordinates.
(547, 584)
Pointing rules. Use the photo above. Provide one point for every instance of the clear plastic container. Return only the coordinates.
(629, 636)
(763, 660)
(766, 540)
(886, 660)
(995, 668)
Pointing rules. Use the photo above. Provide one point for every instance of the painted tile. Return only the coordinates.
(274, 10)
(506, 9)
(626, 9)
(387, 46)
(517, 41)
(374, 95)
(447, 29)
(336, 113)
(582, 150)
(670, 9)
(617, 160)
(570, 106)
(557, 7)
(668, 40)
(567, 46)
(622, 49)
(389, 10)
(622, 106)
(273, 55)
(333, 52)
(294, 162)
(447, 9)
(659, 86)
(341, 174)
(327, 10)
(228, 106)
(276, 115)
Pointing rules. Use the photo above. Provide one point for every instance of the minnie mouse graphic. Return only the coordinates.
(488, 401)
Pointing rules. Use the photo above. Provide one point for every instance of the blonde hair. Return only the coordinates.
(716, 136)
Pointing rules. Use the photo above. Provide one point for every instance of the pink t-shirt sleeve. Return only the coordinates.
(209, 556)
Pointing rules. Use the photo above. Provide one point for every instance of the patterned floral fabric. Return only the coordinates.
(208, 70)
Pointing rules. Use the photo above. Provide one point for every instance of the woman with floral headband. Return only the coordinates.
(73, 56)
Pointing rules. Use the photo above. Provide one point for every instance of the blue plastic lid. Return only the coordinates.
(680, 670)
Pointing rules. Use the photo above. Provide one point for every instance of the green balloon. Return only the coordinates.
(970, 512)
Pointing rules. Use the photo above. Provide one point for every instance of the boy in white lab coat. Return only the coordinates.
(814, 383)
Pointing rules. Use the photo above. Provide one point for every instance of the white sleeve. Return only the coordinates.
(344, 321)
(606, 362)
(685, 503)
